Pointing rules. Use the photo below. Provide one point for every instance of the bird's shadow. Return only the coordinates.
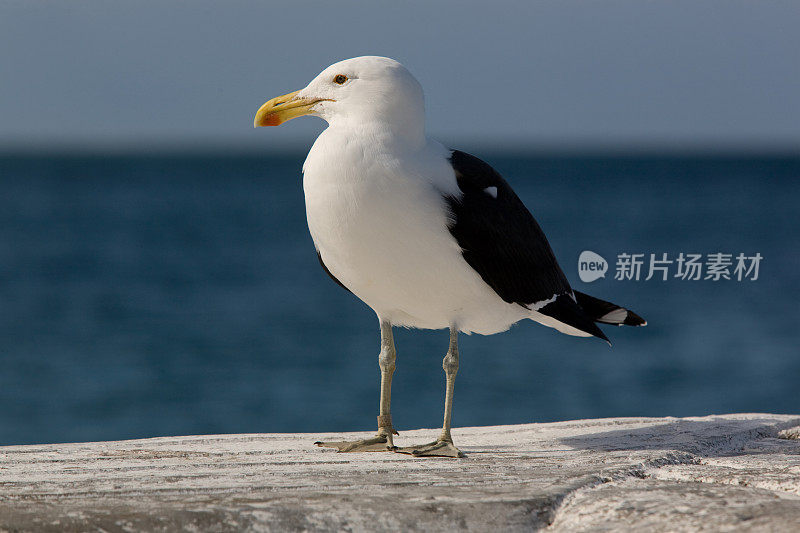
(714, 437)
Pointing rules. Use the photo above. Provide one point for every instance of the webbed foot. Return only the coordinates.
(378, 443)
(439, 448)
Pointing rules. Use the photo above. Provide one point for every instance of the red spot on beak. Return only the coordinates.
(270, 119)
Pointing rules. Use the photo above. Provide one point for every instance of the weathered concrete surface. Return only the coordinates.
(716, 473)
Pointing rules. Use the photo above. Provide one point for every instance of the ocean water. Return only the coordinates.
(146, 296)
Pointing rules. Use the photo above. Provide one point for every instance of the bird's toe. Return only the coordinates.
(438, 448)
(378, 443)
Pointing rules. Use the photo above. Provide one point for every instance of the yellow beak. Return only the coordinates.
(284, 108)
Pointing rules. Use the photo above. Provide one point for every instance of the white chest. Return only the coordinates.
(368, 212)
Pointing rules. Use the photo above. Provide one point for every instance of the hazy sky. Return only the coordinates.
(627, 73)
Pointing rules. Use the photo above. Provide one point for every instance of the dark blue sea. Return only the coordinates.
(173, 295)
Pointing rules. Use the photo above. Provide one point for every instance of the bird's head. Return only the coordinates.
(361, 90)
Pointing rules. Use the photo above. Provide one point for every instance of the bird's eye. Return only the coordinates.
(339, 79)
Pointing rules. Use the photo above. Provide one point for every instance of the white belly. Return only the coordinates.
(382, 231)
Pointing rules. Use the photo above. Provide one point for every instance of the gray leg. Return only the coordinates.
(386, 362)
(443, 447)
(384, 439)
(450, 367)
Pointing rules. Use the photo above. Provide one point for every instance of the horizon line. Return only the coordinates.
(292, 149)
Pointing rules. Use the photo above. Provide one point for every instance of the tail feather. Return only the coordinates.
(564, 314)
(606, 312)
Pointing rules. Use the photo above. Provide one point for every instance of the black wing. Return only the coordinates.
(501, 240)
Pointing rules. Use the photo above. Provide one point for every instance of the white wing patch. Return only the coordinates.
(538, 305)
(617, 316)
(491, 191)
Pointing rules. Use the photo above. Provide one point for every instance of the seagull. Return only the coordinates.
(426, 236)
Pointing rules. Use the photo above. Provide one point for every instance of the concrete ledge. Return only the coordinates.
(657, 474)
